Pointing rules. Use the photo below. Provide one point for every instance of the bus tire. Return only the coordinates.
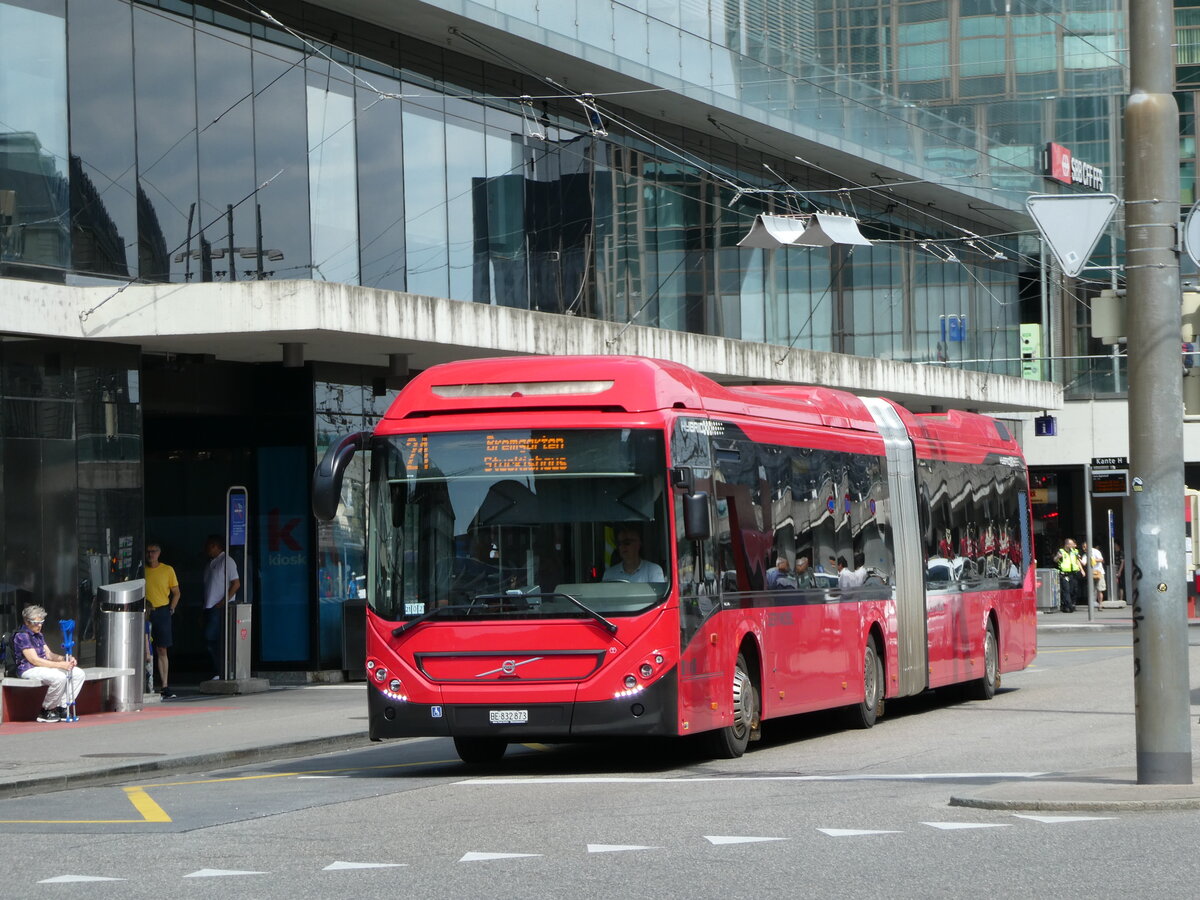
(866, 713)
(731, 741)
(985, 688)
(480, 750)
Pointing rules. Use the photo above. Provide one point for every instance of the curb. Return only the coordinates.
(1087, 627)
(1113, 805)
(181, 764)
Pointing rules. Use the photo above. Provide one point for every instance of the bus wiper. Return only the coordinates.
(605, 623)
(432, 614)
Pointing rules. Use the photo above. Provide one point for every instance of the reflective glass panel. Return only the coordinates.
(281, 157)
(333, 193)
(381, 192)
(425, 200)
(225, 106)
(33, 137)
(168, 227)
(103, 150)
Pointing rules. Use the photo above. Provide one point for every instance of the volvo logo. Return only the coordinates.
(508, 667)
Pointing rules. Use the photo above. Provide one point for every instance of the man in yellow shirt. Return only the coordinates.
(162, 596)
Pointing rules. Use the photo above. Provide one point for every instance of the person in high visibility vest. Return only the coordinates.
(1070, 565)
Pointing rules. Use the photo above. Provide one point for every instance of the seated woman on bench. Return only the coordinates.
(36, 662)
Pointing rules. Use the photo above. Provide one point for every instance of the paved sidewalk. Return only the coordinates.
(188, 734)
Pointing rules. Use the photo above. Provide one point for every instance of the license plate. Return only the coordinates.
(508, 716)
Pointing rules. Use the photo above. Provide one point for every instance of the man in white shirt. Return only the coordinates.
(221, 585)
(847, 577)
(631, 566)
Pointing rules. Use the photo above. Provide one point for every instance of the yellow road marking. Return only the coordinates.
(432, 762)
(142, 802)
(151, 811)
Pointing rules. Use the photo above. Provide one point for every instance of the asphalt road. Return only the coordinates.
(813, 810)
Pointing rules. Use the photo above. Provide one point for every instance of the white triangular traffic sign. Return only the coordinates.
(1072, 224)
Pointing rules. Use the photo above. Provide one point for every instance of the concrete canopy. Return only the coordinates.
(338, 323)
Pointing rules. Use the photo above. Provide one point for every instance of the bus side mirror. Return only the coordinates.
(327, 477)
(696, 523)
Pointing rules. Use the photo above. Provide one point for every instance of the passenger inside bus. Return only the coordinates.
(630, 565)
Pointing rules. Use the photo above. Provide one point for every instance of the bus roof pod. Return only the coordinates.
(628, 384)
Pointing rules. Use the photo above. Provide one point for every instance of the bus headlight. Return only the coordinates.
(646, 671)
(630, 682)
(381, 674)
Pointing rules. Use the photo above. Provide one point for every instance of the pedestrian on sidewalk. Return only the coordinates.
(1069, 566)
(221, 583)
(1095, 561)
(36, 662)
(162, 598)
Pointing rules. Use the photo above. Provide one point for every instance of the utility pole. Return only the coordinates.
(1160, 641)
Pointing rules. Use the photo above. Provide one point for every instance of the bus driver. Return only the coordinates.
(631, 566)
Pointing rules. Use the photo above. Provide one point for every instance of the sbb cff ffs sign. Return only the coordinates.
(1062, 165)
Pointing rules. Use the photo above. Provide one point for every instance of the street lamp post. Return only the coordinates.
(1160, 642)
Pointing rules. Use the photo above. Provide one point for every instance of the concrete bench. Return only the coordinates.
(21, 699)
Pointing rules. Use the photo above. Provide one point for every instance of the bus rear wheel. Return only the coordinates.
(480, 750)
(866, 713)
(731, 741)
(985, 688)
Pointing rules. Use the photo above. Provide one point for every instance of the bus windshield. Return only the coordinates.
(519, 524)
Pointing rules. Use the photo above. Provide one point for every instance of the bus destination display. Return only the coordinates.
(500, 454)
(524, 455)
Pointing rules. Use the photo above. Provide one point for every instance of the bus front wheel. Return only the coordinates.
(730, 742)
(480, 750)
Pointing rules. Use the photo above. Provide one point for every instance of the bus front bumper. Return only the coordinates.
(652, 712)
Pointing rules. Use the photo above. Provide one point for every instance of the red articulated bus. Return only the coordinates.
(564, 548)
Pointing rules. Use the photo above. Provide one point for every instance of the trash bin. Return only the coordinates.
(1048, 587)
(122, 642)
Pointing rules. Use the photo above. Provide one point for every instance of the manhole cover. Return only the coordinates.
(118, 755)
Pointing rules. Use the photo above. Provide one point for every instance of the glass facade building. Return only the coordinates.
(188, 142)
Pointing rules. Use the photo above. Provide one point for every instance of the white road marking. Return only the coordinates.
(338, 866)
(315, 777)
(484, 857)
(613, 779)
(957, 826)
(220, 873)
(1059, 820)
(852, 832)
(75, 879)
(616, 848)
(719, 839)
